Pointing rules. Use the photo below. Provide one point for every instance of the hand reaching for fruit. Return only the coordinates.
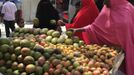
(60, 23)
(74, 30)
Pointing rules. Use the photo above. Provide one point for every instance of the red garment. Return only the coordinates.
(86, 15)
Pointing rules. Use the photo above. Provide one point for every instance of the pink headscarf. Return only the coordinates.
(115, 26)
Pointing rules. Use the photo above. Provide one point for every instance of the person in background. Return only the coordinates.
(47, 15)
(19, 18)
(18, 15)
(86, 15)
(1, 4)
(77, 6)
(8, 11)
(115, 26)
(59, 5)
(62, 7)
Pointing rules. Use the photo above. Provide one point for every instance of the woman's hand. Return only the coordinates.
(60, 23)
(74, 30)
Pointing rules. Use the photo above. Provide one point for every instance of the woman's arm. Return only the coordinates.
(61, 23)
(79, 29)
(74, 30)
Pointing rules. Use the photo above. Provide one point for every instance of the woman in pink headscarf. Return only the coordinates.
(115, 26)
(86, 15)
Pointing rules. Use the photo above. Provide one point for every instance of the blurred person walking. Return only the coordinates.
(8, 12)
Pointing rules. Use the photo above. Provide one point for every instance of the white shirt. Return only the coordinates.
(9, 9)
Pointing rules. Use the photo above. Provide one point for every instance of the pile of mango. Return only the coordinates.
(48, 52)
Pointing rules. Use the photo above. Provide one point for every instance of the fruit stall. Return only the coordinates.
(48, 52)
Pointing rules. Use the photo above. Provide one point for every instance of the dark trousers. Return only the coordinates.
(9, 25)
(0, 32)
